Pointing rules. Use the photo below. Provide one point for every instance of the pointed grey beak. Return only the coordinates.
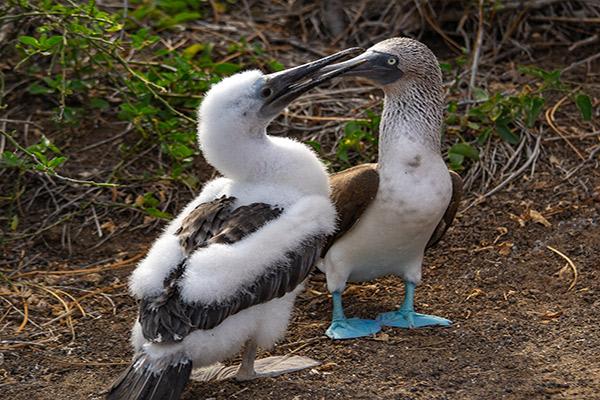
(281, 88)
(381, 68)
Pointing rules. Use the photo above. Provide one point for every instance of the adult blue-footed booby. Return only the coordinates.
(226, 271)
(390, 212)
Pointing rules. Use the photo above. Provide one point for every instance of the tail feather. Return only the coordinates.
(143, 381)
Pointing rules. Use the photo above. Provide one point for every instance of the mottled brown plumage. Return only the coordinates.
(202, 223)
(353, 189)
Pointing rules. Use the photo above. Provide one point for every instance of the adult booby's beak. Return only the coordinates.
(281, 88)
(379, 67)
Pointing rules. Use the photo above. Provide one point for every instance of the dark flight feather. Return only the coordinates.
(142, 381)
(166, 318)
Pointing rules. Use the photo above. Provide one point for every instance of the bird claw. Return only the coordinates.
(410, 319)
(351, 328)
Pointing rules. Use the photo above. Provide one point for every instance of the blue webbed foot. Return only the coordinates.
(348, 328)
(410, 319)
(351, 328)
(406, 317)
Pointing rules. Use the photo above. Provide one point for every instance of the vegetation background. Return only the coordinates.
(98, 150)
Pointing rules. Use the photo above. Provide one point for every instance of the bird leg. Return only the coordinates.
(270, 366)
(348, 328)
(406, 317)
(246, 370)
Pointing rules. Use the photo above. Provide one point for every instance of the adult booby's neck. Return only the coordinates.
(412, 118)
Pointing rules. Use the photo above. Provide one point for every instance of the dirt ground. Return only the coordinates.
(518, 332)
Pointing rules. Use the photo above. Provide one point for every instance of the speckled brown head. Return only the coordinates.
(396, 62)
(410, 76)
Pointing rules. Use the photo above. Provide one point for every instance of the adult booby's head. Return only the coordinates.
(394, 63)
(410, 76)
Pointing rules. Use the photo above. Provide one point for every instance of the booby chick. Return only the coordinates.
(390, 212)
(226, 271)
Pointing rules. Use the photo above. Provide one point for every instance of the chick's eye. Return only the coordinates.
(266, 92)
(391, 61)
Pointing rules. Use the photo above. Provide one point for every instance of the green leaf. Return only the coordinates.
(186, 16)
(180, 151)
(446, 67)
(190, 51)
(275, 66)
(473, 125)
(480, 94)
(10, 159)
(29, 41)
(584, 104)
(226, 68)
(533, 107)
(179, 18)
(41, 156)
(35, 88)
(70, 115)
(484, 136)
(14, 223)
(52, 41)
(342, 154)
(156, 213)
(150, 200)
(190, 180)
(114, 28)
(456, 160)
(550, 78)
(505, 133)
(99, 103)
(452, 106)
(56, 162)
(464, 149)
(314, 144)
(351, 128)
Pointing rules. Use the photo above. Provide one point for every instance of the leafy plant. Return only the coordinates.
(502, 115)
(359, 140)
(42, 156)
(86, 60)
(149, 203)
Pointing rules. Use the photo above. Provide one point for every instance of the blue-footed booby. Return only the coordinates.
(225, 272)
(390, 212)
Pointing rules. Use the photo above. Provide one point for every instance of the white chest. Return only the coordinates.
(390, 237)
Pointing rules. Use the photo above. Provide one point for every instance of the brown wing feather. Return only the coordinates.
(166, 318)
(202, 223)
(243, 221)
(446, 221)
(352, 190)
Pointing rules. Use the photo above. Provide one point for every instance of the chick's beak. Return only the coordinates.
(285, 86)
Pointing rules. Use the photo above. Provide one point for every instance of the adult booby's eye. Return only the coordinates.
(266, 92)
(392, 61)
